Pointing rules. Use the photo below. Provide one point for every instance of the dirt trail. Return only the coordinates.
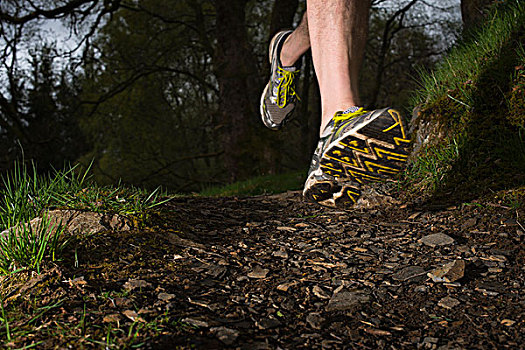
(274, 272)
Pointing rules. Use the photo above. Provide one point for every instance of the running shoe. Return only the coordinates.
(279, 98)
(356, 147)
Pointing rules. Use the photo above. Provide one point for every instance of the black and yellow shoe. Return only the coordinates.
(356, 147)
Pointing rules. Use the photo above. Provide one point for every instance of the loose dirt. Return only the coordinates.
(274, 272)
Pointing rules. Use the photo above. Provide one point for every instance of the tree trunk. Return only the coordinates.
(283, 12)
(236, 72)
(473, 11)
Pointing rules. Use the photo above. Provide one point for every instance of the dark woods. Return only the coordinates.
(166, 92)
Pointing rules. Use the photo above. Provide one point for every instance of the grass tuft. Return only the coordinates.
(462, 68)
(25, 195)
(476, 99)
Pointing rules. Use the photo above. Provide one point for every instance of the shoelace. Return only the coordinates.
(341, 117)
(286, 87)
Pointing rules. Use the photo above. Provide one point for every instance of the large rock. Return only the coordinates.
(76, 222)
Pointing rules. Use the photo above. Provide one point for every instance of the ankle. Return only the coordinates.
(287, 60)
(329, 113)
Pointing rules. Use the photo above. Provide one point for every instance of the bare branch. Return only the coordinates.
(36, 13)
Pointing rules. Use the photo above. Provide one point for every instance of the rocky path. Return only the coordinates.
(273, 272)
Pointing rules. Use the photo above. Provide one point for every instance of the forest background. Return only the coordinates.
(166, 92)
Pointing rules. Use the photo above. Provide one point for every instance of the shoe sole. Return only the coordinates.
(376, 149)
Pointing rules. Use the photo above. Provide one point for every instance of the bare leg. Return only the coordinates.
(338, 30)
(296, 44)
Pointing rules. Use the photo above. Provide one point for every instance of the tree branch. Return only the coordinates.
(37, 12)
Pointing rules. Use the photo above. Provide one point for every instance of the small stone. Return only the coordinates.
(408, 273)
(315, 320)
(258, 272)
(166, 296)
(196, 323)
(493, 286)
(120, 223)
(145, 311)
(268, 323)
(372, 197)
(414, 216)
(122, 302)
(487, 292)
(79, 281)
(281, 253)
(421, 289)
(285, 286)
(495, 270)
(286, 228)
(134, 284)
(226, 335)
(448, 302)
(509, 222)
(347, 300)
(450, 272)
(430, 340)
(437, 239)
(469, 223)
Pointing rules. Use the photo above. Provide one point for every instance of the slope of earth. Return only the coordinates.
(274, 272)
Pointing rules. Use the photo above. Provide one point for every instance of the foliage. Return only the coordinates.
(404, 35)
(43, 98)
(148, 97)
(159, 130)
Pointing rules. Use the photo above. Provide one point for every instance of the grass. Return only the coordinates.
(26, 246)
(476, 98)
(456, 76)
(433, 164)
(23, 327)
(25, 195)
(267, 184)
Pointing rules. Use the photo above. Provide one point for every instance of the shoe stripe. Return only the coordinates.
(358, 175)
(345, 161)
(364, 150)
(329, 168)
(398, 140)
(398, 119)
(391, 155)
(383, 169)
(352, 195)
